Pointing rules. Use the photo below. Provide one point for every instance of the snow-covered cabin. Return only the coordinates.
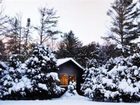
(70, 70)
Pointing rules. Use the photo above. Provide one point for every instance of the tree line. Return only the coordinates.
(121, 40)
(124, 30)
(18, 39)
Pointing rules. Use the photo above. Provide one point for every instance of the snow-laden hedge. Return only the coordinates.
(117, 80)
(36, 78)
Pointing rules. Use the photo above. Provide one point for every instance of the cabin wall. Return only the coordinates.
(69, 68)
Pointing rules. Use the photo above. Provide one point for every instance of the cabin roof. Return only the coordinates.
(64, 60)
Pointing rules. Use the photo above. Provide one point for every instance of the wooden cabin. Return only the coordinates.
(70, 70)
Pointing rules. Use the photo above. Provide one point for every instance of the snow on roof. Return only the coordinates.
(64, 60)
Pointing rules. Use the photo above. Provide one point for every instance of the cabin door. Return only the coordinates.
(64, 79)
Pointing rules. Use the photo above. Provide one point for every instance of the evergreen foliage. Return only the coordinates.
(117, 80)
(69, 46)
(125, 24)
(35, 79)
(42, 71)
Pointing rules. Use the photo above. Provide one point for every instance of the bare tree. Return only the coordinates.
(4, 19)
(15, 33)
(27, 31)
(48, 23)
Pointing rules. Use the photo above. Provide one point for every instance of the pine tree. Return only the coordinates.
(92, 86)
(48, 23)
(13, 81)
(125, 74)
(42, 72)
(89, 53)
(92, 52)
(4, 19)
(69, 46)
(117, 80)
(125, 26)
(35, 79)
(108, 51)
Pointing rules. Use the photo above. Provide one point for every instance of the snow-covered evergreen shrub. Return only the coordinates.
(92, 85)
(125, 75)
(13, 80)
(71, 91)
(42, 73)
(117, 80)
(92, 63)
(135, 59)
(14, 61)
(35, 79)
(72, 88)
(3, 67)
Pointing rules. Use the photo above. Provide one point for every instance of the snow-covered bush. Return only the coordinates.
(35, 79)
(117, 80)
(14, 81)
(14, 61)
(126, 73)
(9, 76)
(71, 91)
(92, 87)
(42, 73)
(72, 88)
(92, 63)
(3, 67)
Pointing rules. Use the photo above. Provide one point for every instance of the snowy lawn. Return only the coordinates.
(65, 100)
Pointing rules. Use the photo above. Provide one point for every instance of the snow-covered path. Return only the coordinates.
(65, 100)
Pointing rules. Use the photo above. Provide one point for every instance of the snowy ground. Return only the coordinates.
(65, 100)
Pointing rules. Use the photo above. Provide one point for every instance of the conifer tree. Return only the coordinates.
(48, 23)
(69, 46)
(125, 26)
(42, 71)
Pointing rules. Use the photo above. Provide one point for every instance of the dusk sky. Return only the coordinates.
(87, 18)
